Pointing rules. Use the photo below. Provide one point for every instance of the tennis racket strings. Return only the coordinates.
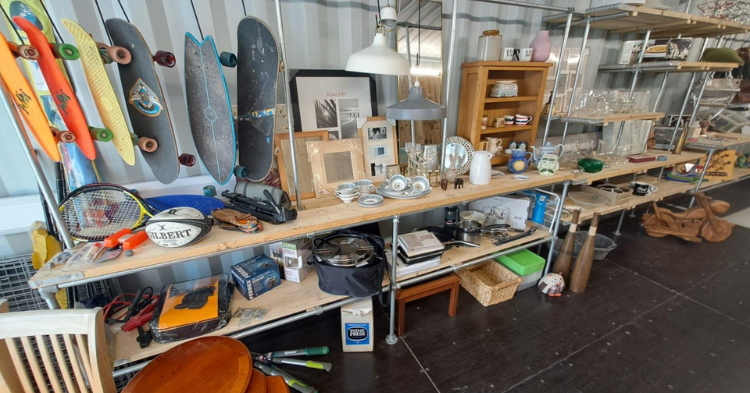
(95, 213)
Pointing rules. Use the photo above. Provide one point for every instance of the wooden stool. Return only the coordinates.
(404, 296)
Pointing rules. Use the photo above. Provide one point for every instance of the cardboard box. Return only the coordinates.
(667, 49)
(274, 250)
(518, 210)
(295, 255)
(357, 326)
(611, 198)
(256, 276)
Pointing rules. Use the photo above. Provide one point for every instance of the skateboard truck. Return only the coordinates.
(267, 203)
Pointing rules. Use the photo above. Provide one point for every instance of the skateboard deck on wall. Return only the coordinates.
(26, 101)
(258, 70)
(79, 170)
(148, 112)
(209, 108)
(102, 91)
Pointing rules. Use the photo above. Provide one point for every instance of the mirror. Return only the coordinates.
(431, 63)
(456, 156)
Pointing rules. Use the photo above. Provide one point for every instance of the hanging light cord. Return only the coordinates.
(198, 20)
(101, 16)
(244, 10)
(59, 37)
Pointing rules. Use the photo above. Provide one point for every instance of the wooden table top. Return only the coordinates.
(206, 364)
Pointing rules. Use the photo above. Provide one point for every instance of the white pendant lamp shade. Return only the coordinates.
(378, 58)
(415, 107)
(388, 16)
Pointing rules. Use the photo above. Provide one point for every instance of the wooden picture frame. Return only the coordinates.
(304, 171)
(379, 146)
(334, 162)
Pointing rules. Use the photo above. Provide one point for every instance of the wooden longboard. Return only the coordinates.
(209, 107)
(62, 92)
(148, 112)
(26, 101)
(102, 91)
(257, 73)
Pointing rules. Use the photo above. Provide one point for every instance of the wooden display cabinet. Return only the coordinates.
(475, 102)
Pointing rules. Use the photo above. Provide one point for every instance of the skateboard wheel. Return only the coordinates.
(66, 51)
(66, 136)
(187, 159)
(27, 52)
(101, 134)
(209, 191)
(119, 54)
(228, 59)
(240, 171)
(147, 144)
(165, 59)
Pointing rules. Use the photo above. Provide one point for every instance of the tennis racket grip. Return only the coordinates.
(114, 240)
(135, 240)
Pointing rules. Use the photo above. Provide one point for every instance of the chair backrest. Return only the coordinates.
(55, 351)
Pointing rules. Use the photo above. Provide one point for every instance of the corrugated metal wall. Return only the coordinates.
(320, 35)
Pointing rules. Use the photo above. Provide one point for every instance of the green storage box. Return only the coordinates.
(522, 263)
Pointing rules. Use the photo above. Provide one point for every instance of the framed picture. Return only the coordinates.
(304, 171)
(332, 100)
(379, 145)
(333, 163)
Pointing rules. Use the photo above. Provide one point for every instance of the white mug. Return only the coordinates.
(525, 54)
(507, 54)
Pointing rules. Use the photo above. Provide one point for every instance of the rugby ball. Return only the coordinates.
(178, 227)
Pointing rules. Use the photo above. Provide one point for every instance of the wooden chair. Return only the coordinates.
(70, 343)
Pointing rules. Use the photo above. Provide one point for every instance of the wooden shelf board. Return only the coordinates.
(670, 66)
(291, 298)
(663, 23)
(504, 129)
(666, 188)
(613, 118)
(739, 174)
(737, 140)
(630, 167)
(492, 100)
(309, 222)
(458, 255)
(508, 65)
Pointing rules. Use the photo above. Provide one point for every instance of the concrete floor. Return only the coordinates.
(659, 315)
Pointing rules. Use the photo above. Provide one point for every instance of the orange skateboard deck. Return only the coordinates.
(26, 101)
(62, 92)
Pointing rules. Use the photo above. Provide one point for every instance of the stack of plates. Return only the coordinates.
(370, 200)
(407, 193)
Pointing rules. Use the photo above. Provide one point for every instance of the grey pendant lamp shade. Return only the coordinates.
(415, 107)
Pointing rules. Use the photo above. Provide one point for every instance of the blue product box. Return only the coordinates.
(540, 207)
(256, 276)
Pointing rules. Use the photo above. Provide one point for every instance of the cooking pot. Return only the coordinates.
(469, 231)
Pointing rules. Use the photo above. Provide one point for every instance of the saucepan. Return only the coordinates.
(469, 231)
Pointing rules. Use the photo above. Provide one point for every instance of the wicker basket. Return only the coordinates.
(489, 282)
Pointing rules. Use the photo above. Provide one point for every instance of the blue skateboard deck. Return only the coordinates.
(209, 108)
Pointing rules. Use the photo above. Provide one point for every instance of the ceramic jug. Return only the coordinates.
(494, 145)
(481, 168)
(518, 161)
(547, 148)
(548, 164)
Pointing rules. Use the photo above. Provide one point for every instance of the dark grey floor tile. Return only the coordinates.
(672, 262)
(390, 368)
(490, 349)
(681, 346)
(727, 292)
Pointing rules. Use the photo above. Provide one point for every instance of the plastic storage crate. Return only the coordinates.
(523, 262)
(489, 282)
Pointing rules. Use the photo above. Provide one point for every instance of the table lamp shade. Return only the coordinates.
(415, 107)
(378, 58)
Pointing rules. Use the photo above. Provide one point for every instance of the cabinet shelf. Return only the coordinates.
(490, 100)
(662, 23)
(669, 66)
(504, 129)
(604, 120)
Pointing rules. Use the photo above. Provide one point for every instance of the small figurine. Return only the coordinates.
(552, 284)
(444, 184)
(458, 183)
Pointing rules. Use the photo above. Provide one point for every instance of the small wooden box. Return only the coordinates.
(609, 197)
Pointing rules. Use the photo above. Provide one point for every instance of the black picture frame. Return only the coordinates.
(293, 87)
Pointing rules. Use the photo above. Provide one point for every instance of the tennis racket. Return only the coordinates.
(96, 211)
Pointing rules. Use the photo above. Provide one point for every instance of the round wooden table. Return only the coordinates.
(206, 364)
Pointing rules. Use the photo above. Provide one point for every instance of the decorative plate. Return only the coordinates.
(370, 200)
(464, 151)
